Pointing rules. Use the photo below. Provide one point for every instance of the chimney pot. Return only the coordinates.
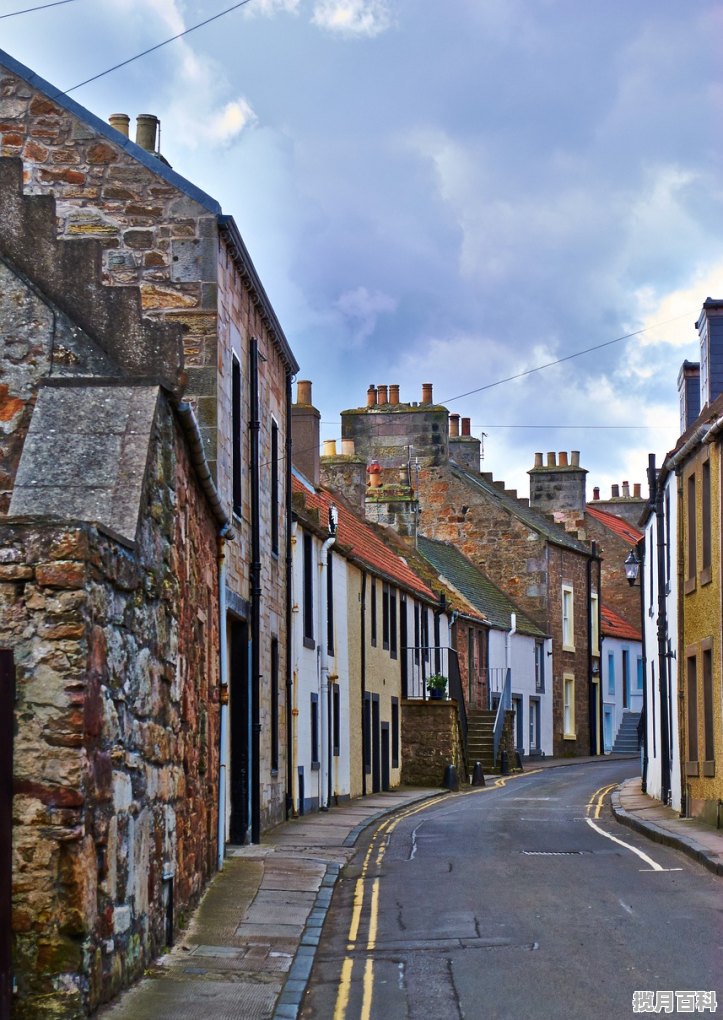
(636, 490)
(427, 393)
(121, 122)
(563, 458)
(575, 458)
(551, 459)
(382, 395)
(347, 448)
(303, 391)
(394, 394)
(329, 448)
(371, 396)
(466, 426)
(538, 460)
(626, 490)
(596, 492)
(146, 129)
(614, 492)
(454, 425)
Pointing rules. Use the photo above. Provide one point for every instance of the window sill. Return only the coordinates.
(692, 768)
(568, 648)
(709, 769)
(309, 643)
(706, 576)
(315, 766)
(569, 736)
(689, 586)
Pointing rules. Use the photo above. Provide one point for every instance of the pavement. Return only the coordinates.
(249, 947)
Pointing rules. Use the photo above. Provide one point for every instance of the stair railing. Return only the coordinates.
(503, 705)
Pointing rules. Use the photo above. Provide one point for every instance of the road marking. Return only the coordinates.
(415, 830)
(595, 806)
(342, 998)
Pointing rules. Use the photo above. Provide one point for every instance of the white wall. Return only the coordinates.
(518, 652)
(612, 694)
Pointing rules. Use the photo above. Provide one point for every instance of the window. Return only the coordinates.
(274, 721)
(274, 488)
(330, 602)
(691, 565)
(367, 732)
(385, 616)
(424, 621)
(708, 740)
(611, 674)
(315, 763)
(236, 433)
(395, 733)
(336, 719)
(626, 677)
(539, 667)
(705, 525)
(640, 673)
(437, 650)
(470, 664)
(595, 625)
(393, 623)
(568, 622)
(692, 699)
(374, 611)
(669, 539)
(417, 638)
(568, 721)
(308, 591)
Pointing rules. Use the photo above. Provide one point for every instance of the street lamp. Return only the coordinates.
(632, 567)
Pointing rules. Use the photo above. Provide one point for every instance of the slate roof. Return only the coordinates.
(477, 589)
(357, 539)
(615, 627)
(535, 521)
(621, 527)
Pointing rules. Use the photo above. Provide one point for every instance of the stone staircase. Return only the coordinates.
(626, 741)
(480, 742)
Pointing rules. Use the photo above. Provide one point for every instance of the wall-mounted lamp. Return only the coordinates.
(632, 567)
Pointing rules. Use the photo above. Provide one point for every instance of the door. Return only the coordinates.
(240, 727)
(534, 725)
(517, 709)
(608, 727)
(7, 709)
(386, 784)
(376, 749)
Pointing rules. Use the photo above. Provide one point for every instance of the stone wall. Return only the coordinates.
(430, 742)
(116, 736)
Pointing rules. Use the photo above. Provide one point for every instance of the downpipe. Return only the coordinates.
(324, 676)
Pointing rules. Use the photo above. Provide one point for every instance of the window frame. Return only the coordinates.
(568, 707)
(568, 620)
(308, 607)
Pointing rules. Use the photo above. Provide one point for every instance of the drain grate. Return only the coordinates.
(554, 853)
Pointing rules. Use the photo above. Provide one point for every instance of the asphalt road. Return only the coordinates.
(511, 902)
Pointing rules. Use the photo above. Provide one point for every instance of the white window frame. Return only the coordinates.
(568, 619)
(568, 707)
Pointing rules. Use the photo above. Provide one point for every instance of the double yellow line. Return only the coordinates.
(595, 804)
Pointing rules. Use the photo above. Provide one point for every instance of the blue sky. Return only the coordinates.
(449, 192)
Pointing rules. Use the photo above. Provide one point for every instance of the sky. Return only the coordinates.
(447, 191)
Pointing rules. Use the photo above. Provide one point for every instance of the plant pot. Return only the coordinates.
(436, 694)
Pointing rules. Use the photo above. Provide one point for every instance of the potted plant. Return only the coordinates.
(437, 686)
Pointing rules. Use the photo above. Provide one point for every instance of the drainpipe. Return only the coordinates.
(508, 641)
(324, 669)
(640, 549)
(254, 430)
(594, 689)
(657, 494)
(290, 730)
(223, 726)
(363, 667)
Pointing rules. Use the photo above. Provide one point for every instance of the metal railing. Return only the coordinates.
(496, 677)
(504, 704)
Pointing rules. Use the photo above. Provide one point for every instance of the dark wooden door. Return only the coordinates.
(7, 708)
(240, 726)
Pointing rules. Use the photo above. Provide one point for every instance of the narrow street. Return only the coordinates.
(511, 902)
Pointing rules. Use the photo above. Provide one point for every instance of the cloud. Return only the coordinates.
(352, 17)
(269, 8)
(361, 308)
(229, 122)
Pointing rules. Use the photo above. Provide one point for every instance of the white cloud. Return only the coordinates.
(229, 122)
(271, 7)
(362, 308)
(352, 17)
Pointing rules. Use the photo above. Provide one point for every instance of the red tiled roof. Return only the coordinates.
(614, 626)
(621, 527)
(354, 534)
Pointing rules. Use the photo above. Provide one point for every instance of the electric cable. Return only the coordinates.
(40, 7)
(152, 49)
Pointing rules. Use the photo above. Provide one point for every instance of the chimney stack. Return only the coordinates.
(560, 485)
(427, 393)
(121, 122)
(146, 131)
(305, 433)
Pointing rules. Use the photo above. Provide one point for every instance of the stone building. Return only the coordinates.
(156, 231)
(548, 572)
(108, 621)
(137, 274)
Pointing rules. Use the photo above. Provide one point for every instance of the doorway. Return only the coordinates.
(240, 732)
(376, 749)
(519, 737)
(386, 779)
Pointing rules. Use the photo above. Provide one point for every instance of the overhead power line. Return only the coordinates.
(568, 357)
(40, 7)
(152, 49)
